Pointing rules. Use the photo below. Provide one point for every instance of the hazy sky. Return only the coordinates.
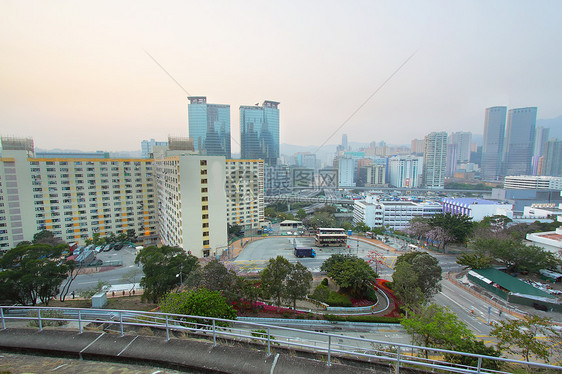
(74, 74)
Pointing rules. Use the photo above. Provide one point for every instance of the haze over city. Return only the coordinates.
(77, 75)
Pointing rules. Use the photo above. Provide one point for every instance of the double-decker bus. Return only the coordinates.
(331, 237)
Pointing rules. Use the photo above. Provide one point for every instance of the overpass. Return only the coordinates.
(219, 345)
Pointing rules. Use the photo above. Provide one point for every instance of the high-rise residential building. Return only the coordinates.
(551, 160)
(373, 175)
(192, 202)
(405, 171)
(148, 145)
(418, 146)
(492, 148)
(74, 198)
(519, 140)
(541, 137)
(209, 127)
(435, 160)
(245, 193)
(259, 132)
(346, 172)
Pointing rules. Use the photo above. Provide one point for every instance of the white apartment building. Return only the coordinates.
(435, 160)
(245, 193)
(346, 172)
(192, 202)
(392, 214)
(533, 182)
(405, 171)
(74, 198)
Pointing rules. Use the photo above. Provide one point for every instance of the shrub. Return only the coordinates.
(47, 314)
(324, 282)
(336, 299)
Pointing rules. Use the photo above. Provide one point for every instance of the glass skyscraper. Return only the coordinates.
(209, 127)
(520, 140)
(259, 132)
(492, 149)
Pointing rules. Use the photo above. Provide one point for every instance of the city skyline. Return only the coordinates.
(76, 69)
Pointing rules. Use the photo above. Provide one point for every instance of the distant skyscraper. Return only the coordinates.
(405, 171)
(492, 148)
(541, 137)
(209, 127)
(418, 146)
(259, 132)
(519, 140)
(435, 160)
(147, 145)
(463, 141)
(552, 158)
(344, 142)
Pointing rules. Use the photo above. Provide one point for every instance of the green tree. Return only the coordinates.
(335, 258)
(273, 278)
(214, 276)
(361, 227)
(301, 214)
(352, 274)
(427, 270)
(476, 260)
(298, 283)
(458, 226)
(46, 237)
(521, 336)
(405, 286)
(33, 273)
(436, 326)
(320, 219)
(201, 302)
(234, 230)
(164, 268)
(515, 255)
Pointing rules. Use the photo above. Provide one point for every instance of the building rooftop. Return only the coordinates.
(510, 283)
(466, 201)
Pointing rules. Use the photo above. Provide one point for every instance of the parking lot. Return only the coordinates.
(256, 254)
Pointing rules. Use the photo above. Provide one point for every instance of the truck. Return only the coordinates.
(305, 252)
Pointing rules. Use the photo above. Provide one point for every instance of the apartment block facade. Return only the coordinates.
(245, 191)
(75, 198)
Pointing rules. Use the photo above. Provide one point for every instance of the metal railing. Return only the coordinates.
(267, 336)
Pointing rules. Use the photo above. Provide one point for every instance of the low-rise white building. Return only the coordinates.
(392, 214)
(477, 209)
(532, 182)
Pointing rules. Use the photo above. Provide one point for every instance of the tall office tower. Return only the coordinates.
(541, 137)
(452, 152)
(259, 132)
(463, 141)
(418, 146)
(492, 149)
(405, 171)
(552, 158)
(209, 127)
(344, 142)
(519, 140)
(435, 160)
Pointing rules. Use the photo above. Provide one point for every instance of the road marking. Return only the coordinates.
(58, 367)
(274, 363)
(462, 307)
(127, 346)
(88, 346)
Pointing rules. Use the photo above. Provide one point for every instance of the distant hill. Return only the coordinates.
(554, 124)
